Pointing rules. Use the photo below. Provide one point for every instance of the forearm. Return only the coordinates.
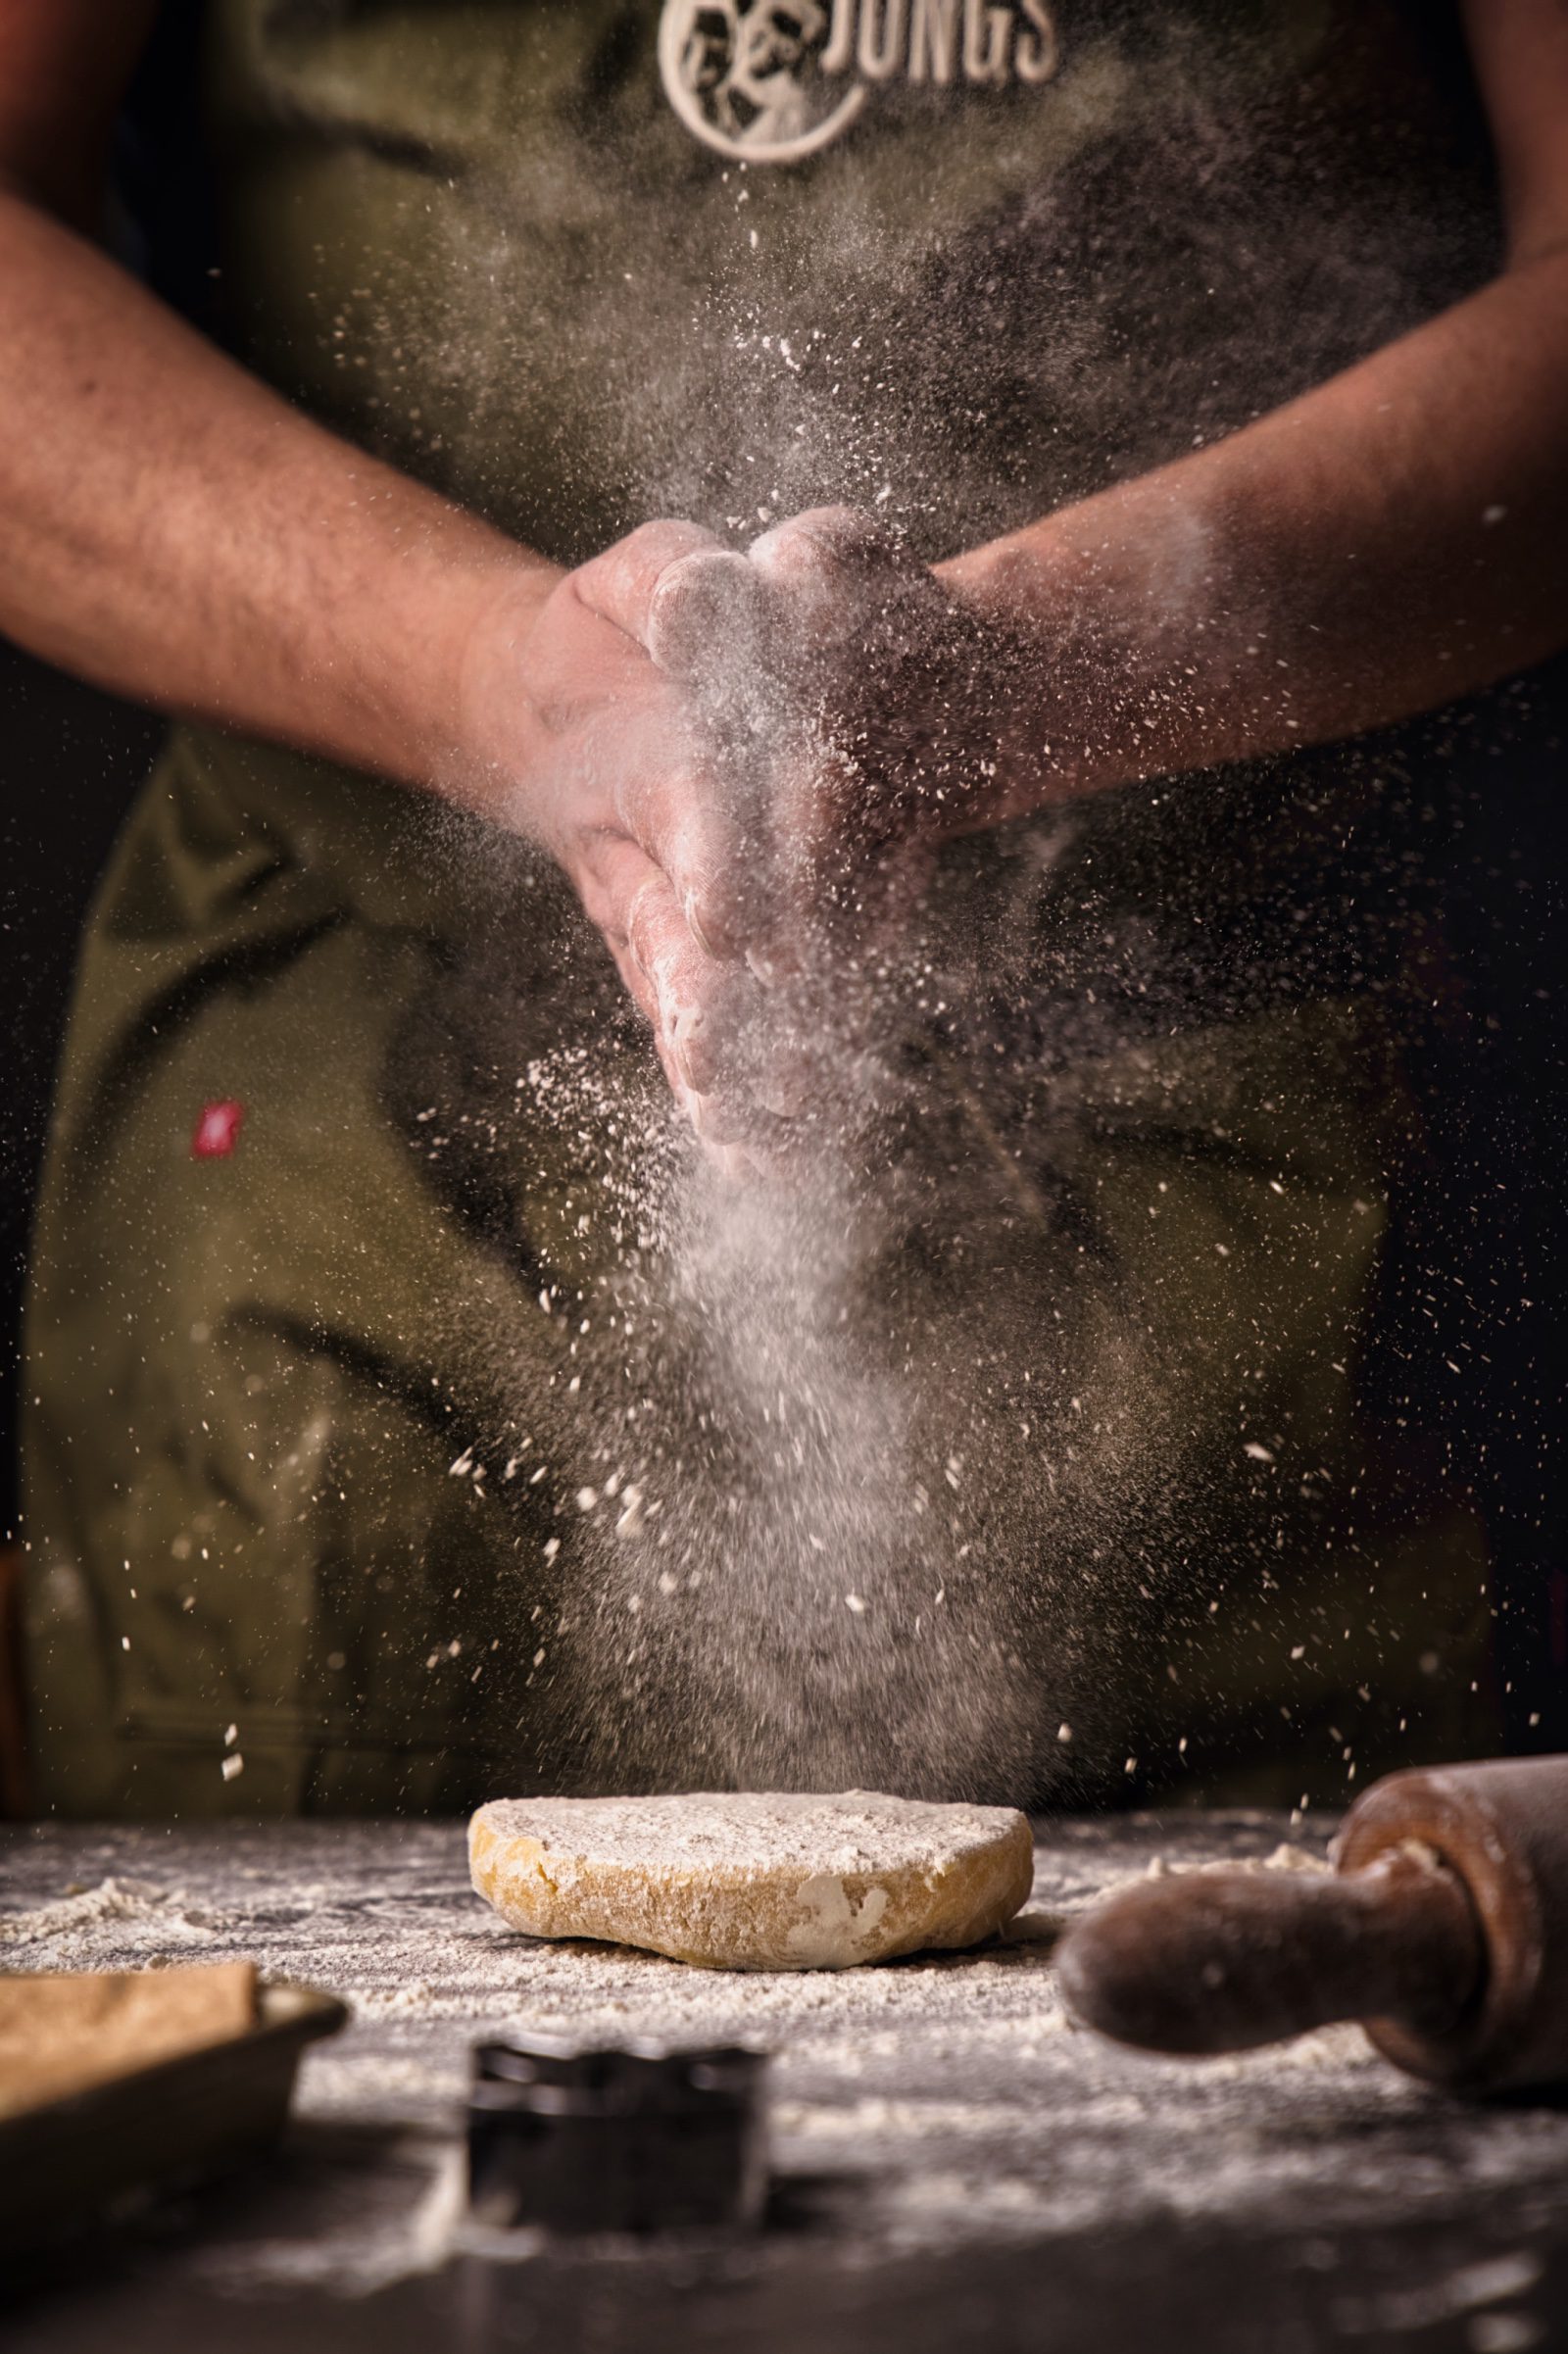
(1386, 541)
(170, 527)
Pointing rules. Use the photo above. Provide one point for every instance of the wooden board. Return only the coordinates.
(63, 2030)
(168, 2121)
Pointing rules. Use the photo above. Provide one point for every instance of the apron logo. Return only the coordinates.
(771, 81)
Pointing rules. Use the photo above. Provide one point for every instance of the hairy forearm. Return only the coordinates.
(1385, 542)
(171, 529)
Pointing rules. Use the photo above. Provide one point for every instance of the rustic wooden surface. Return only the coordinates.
(954, 2163)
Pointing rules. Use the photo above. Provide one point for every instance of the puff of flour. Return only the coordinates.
(754, 1880)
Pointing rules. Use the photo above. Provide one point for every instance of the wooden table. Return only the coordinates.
(955, 2165)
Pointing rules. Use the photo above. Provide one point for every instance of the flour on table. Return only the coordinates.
(939, 2105)
(77, 1926)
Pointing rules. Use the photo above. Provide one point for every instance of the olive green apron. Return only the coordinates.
(339, 1251)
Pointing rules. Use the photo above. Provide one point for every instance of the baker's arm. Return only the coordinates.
(171, 527)
(1391, 540)
(168, 525)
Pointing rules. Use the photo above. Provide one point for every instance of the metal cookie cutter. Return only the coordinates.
(642, 2138)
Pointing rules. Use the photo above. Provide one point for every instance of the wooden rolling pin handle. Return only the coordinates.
(1223, 1961)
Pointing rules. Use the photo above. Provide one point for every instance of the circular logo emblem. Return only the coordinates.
(771, 81)
(748, 77)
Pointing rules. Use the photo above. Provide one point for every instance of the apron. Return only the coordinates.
(351, 1329)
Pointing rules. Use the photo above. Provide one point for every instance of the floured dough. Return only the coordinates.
(760, 1881)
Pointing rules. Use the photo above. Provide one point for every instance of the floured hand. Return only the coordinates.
(853, 713)
(616, 762)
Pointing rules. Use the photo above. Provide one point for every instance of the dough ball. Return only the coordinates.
(753, 1882)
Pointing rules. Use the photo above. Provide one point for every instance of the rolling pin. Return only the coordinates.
(1443, 1928)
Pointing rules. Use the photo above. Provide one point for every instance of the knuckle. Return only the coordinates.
(637, 799)
(642, 925)
(824, 536)
(790, 548)
(714, 905)
(693, 1046)
(703, 578)
(698, 603)
(664, 538)
(703, 909)
(843, 525)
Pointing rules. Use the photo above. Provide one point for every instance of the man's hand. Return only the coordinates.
(632, 760)
(908, 721)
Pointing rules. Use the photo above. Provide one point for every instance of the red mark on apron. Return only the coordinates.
(216, 1131)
